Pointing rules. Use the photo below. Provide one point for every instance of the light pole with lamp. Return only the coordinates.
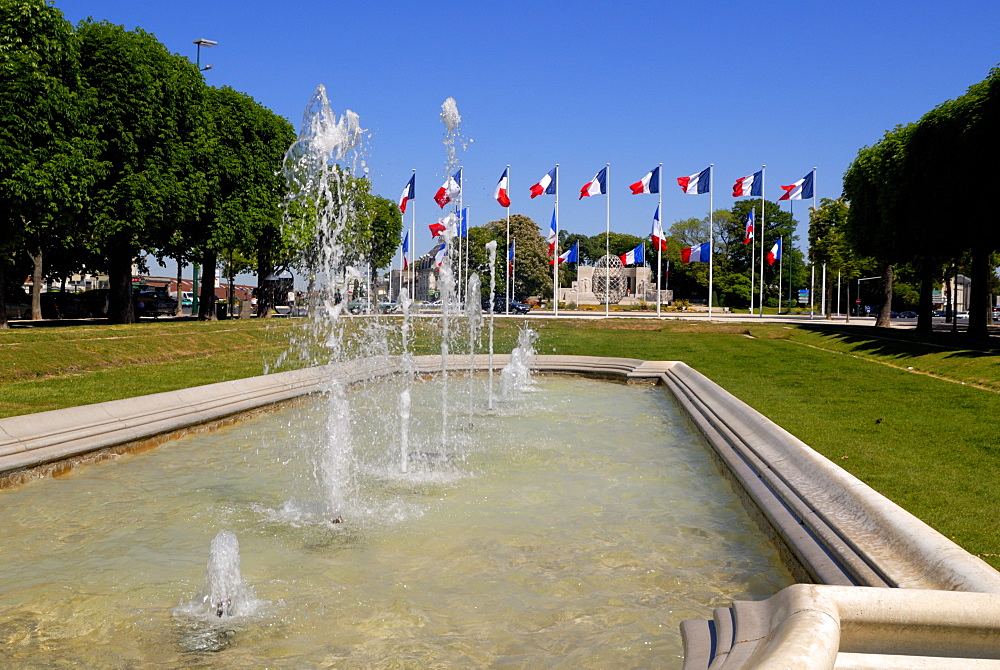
(196, 267)
(858, 297)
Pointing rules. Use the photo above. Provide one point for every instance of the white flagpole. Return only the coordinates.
(763, 183)
(812, 288)
(413, 238)
(711, 236)
(659, 245)
(781, 262)
(753, 258)
(555, 254)
(607, 239)
(461, 248)
(513, 268)
(508, 275)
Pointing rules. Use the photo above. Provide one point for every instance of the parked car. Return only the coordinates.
(59, 305)
(154, 304)
(498, 306)
(18, 304)
(388, 307)
(908, 315)
(96, 302)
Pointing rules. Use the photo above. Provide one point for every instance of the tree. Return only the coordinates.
(876, 186)
(145, 107)
(45, 164)
(240, 161)
(533, 274)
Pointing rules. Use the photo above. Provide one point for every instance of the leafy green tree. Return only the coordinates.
(144, 105)
(45, 163)
(532, 275)
(876, 186)
(240, 162)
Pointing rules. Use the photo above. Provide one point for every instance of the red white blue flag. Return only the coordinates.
(437, 228)
(659, 242)
(407, 194)
(546, 184)
(597, 185)
(748, 231)
(775, 253)
(406, 249)
(800, 190)
(570, 256)
(752, 185)
(648, 184)
(634, 256)
(696, 183)
(441, 253)
(510, 254)
(451, 189)
(501, 190)
(699, 253)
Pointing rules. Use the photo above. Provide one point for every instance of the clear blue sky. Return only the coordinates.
(739, 84)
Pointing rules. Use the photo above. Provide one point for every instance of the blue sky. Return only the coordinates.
(737, 84)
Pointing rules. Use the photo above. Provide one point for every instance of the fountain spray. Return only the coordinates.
(491, 248)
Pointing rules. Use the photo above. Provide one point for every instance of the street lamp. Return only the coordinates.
(858, 297)
(202, 42)
(196, 268)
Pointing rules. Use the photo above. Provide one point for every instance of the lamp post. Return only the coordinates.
(196, 267)
(858, 296)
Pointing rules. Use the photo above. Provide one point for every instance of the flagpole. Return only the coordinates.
(753, 259)
(781, 262)
(513, 269)
(461, 281)
(607, 239)
(508, 290)
(555, 254)
(763, 183)
(413, 237)
(659, 243)
(711, 236)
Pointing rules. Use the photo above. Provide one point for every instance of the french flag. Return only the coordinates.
(648, 184)
(407, 194)
(437, 228)
(634, 256)
(510, 254)
(570, 256)
(450, 190)
(748, 231)
(553, 236)
(406, 249)
(501, 190)
(659, 242)
(696, 183)
(699, 253)
(546, 184)
(441, 253)
(800, 190)
(775, 253)
(597, 185)
(752, 185)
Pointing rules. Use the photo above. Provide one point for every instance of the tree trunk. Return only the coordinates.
(884, 320)
(206, 308)
(925, 307)
(36, 284)
(979, 295)
(121, 307)
(264, 270)
(180, 308)
(3, 295)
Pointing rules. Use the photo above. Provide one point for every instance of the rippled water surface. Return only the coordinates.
(575, 527)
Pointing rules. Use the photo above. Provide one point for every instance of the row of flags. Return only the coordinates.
(700, 182)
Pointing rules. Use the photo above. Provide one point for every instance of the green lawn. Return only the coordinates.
(923, 437)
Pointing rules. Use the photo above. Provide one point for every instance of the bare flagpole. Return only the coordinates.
(659, 243)
(781, 262)
(763, 183)
(555, 254)
(508, 275)
(413, 238)
(607, 239)
(711, 235)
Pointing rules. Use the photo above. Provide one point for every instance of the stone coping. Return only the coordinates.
(834, 529)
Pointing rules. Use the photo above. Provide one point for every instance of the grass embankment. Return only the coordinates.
(923, 437)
